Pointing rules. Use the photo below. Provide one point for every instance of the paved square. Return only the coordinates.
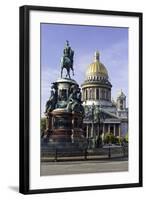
(79, 167)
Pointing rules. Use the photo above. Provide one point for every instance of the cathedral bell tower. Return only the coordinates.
(121, 101)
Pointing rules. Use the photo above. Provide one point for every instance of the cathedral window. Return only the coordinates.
(86, 94)
(97, 94)
(90, 94)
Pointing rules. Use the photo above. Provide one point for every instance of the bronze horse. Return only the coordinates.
(67, 60)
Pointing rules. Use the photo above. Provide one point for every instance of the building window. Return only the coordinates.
(101, 91)
(106, 94)
(103, 94)
(97, 94)
(86, 94)
(109, 95)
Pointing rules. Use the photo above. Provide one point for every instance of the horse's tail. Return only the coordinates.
(72, 69)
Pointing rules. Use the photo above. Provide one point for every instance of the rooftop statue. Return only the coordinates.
(67, 60)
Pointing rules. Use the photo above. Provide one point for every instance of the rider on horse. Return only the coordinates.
(67, 60)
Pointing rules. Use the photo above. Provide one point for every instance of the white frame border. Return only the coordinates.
(132, 176)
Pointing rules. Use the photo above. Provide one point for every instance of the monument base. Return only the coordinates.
(66, 129)
(65, 116)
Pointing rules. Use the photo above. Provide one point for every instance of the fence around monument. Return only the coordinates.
(66, 154)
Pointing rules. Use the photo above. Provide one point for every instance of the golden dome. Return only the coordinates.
(96, 69)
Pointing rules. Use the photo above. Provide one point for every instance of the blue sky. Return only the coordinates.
(111, 42)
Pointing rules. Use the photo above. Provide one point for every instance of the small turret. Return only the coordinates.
(121, 101)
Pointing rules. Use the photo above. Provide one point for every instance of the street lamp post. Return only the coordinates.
(100, 120)
(98, 111)
(98, 117)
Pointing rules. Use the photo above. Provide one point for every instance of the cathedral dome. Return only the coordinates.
(96, 70)
(96, 86)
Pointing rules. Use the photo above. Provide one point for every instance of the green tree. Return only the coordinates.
(126, 137)
(109, 138)
(118, 140)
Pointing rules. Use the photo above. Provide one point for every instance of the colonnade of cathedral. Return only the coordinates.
(115, 129)
(95, 93)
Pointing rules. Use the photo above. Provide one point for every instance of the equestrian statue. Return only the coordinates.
(67, 60)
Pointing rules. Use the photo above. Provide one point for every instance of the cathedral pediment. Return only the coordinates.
(101, 114)
(109, 115)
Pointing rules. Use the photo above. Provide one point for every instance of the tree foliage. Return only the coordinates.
(126, 137)
(109, 138)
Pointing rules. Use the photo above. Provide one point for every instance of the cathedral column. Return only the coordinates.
(87, 131)
(99, 93)
(84, 94)
(91, 93)
(95, 95)
(114, 130)
(119, 131)
(108, 128)
(103, 128)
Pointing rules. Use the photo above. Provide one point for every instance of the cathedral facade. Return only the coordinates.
(102, 114)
